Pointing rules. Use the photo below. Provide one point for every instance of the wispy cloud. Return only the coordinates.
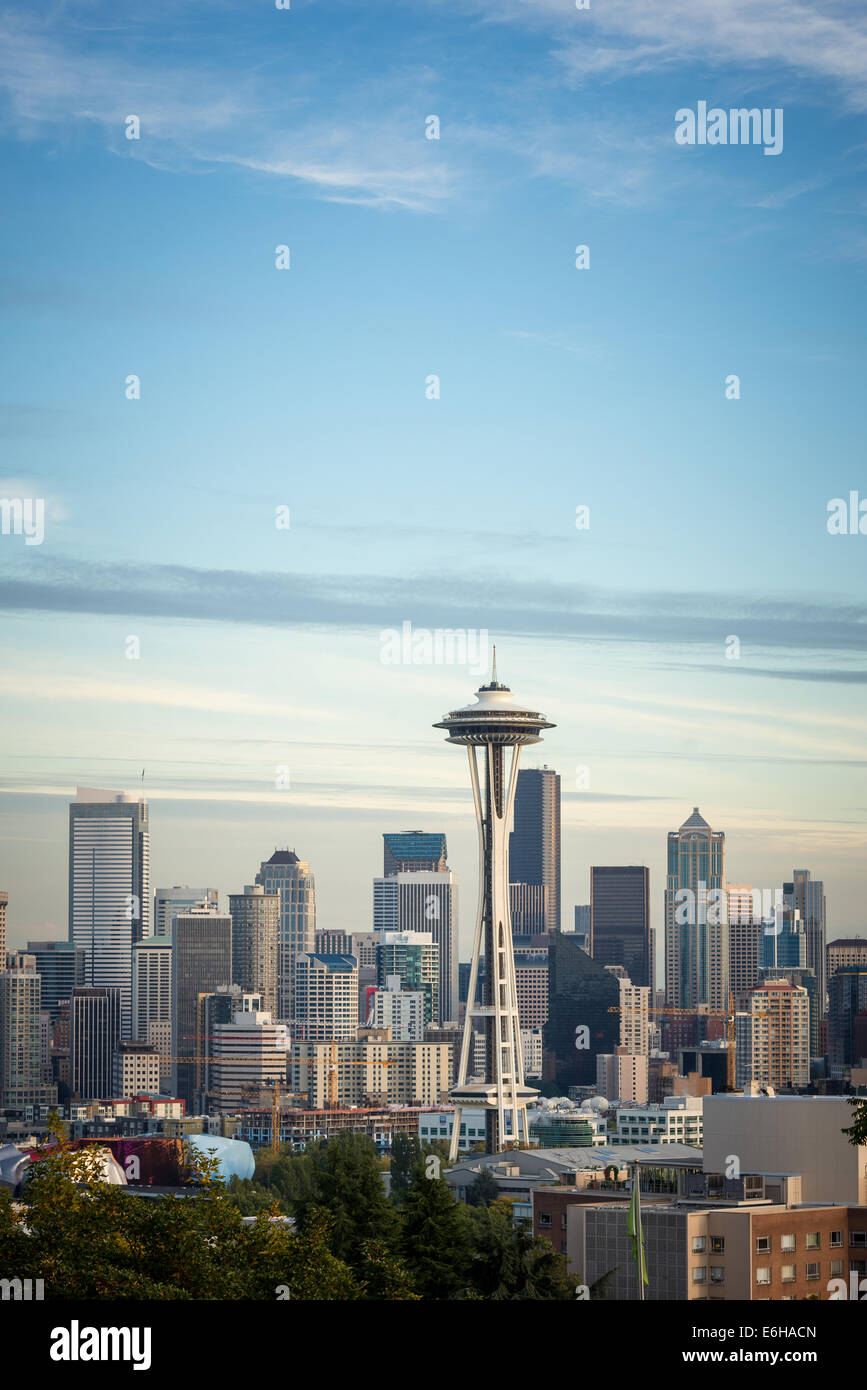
(496, 602)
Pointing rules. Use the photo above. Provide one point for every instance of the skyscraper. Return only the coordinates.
(109, 889)
(414, 958)
(696, 917)
(4, 903)
(620, 919)
(534, 844)
(286, 874)
(326, 994)
(21, 1080)
(773, 1037)
(168, 901)
(152, 996)
(808, 896)
(493, 724)
(783, 940)
(427, 901)
(255, 928)
(95, 1031)
(61, 967)
(201, 961)
(413, 851)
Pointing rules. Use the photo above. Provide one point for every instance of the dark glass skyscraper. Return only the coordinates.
(808, 896)
(201, 961)
(61, 966)
(413, 851)
(534, 844)
(620, 918)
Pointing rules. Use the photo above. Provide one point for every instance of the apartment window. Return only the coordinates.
(717, 1245)
(788, 1274)
(763, 1274)
(699, 1275)
(836, 1268)
(544, 1218)
(763, 1245)
(812, 1271)
(836, 1237)
(812, 1240)
(787, 1242)
(717, 1274)
(858, 1237)
(698, 1245)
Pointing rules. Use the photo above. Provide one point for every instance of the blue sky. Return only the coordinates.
(306, 388)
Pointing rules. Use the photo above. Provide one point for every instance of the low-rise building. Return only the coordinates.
(676, 1120)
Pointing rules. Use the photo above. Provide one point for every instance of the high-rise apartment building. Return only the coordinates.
(414, 957)
(622, 1076)
(401, 1010)
(372, 1070)
(534, 844)
(255, 930)
(772, 1037)
(4, 903)
(60, 964)
(413, 851)
(804, 979)
(152, 996)
(807, 895)
(169, 901)
(96, 1014)
(22, 1082)
(620, 918)
(286, 874)
(634, 1017)
(248, 1058)
(328, 942)
(696, 917)
(531, 985)
(326, 997)
(109, 888)
(136, 1070)
(201, 961)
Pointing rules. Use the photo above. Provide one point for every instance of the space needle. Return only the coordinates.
(494, 723)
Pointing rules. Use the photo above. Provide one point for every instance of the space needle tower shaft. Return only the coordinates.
(489, 729)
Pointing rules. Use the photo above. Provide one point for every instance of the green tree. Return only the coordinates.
(343, 1176)
(406, 1152)
(483, 1190)
(510, 1263)
(435, 1240)
(857, 1131)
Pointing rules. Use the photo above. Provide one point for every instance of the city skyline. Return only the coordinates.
(457, 258)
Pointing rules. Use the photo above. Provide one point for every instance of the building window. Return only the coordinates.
(812, 1271)
(788, 1274)
(812, 1240)
(717, 1245)
(836, 1237)
(858, 1237)
(699, 1275)
(763, 1245)
(763, 1274)
(717, 1274)
(787, 1242)
(836, 1268)
(544, 1218)
(698, 1245)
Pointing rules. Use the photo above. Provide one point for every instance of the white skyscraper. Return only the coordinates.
(109, 888)
(424, 901)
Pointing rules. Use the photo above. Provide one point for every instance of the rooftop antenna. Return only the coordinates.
(494, 667)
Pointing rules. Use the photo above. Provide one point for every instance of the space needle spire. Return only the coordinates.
(494, 723)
